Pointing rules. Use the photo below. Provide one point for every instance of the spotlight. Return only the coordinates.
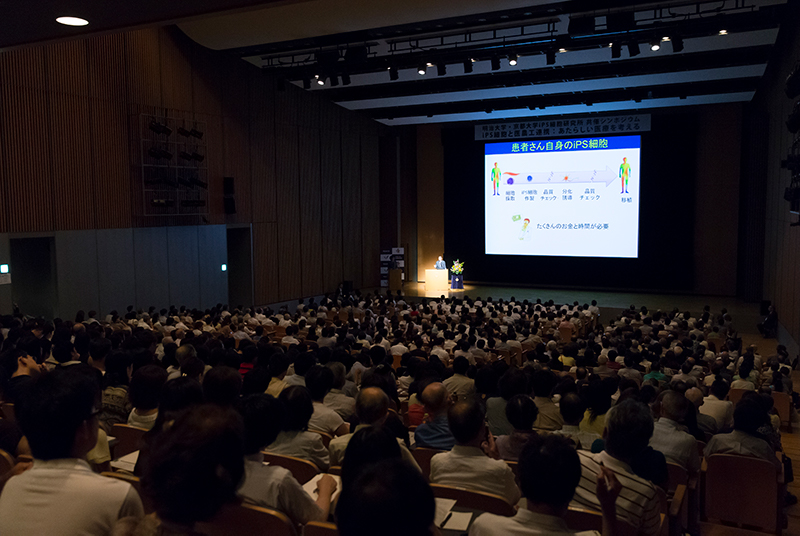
(196, 133)
(467, 66)
(441, 69)
(562, 50)
(321, 80)
(551, 56)
(196, 156)
(666, 38)
(183, 132)
(306, 83)
(184, 155)
(723, 32)
(422, 69)
(677, 44)
(616, 50)
(72, 21)
(495, 63)
(393, 74)
(334, 81)
(198, 182)
(655, 45)
(633, 49)
(345, 79)
(160, 128)
(512, 59)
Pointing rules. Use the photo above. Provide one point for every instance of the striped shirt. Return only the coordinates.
(638, 503)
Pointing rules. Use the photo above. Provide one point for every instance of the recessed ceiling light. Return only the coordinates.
(430, 64)
(562, 49)
(72, 21)
(665, 38)
(723, 32)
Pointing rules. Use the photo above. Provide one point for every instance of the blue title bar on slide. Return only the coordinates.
(564, 145)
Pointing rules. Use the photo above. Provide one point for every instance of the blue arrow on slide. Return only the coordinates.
(594, 176)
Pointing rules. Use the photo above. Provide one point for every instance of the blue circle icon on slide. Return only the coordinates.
(510, 181)
(530, 178)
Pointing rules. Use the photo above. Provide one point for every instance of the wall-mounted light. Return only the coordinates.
(3, 268)
(224, 267)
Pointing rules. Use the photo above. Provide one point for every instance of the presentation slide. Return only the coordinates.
(576, 197)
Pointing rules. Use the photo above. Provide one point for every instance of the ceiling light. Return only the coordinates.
(562, 50)
(422, 69)
(512, 59)
(473, 60)
(610, 45)
(430, 64)
(655, 45)
(441, 69)
(665, 38)
(467, 66)
(495, 63)
(633, 49)
(72, 21)
(321, 80)
(723, 32)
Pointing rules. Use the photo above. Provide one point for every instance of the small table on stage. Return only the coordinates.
(437, 280)
(457, 282)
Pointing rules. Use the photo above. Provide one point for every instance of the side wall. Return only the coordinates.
(305, 170)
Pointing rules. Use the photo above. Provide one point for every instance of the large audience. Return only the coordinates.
(546, 406)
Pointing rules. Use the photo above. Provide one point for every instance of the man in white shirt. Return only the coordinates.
(675, 444)
(459, 385)
(471, 464)
(439, 351)
(319, 382)
(60, 494)
(716, 406)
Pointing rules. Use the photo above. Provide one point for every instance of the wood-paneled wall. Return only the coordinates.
(305, 170)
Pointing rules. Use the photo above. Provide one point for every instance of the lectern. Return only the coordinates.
(437, 280)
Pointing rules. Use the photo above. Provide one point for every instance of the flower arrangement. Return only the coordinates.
(458, 267)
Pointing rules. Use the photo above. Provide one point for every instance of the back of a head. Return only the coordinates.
(54, 407)
(263, 419)
(278, 364)
(466, 420)
(180, 394)
(629, 426)
(674, 406)
(304, 362)
(749, 415)
(513, 382)
(367, 447)
(146, 385)
(460, 365)
(196, 465)
(184, 352)
(549, 471)
(99, 349)
(543, 382)
(319, 381)
(339, 373)
(222, 386)
(521, 412)
(372, 405)
(435, 397)
(571, 407)
(299, 407)
(390, 495)
(719, 389)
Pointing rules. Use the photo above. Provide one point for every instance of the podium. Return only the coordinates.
(437, 280)
(457, 282)
(395, 279)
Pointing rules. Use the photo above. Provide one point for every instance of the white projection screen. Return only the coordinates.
(576, 197)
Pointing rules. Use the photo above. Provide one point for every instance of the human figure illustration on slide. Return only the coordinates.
(525, 232)
(624, 175)
(495, 178)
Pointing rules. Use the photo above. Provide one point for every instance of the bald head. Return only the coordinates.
(184, 352)
(436, 398)
(695, 396)
(674, 406)
(372, 406)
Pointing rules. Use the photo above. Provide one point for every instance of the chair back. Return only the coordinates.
(129, 439)
(727, 480)
(514, 467)
(319, 528)
(246, 520)
(7, 409)
(326, 437)
(136, 484)
(565, 334)
(302, 470)
(783, 405)
(335, 470)
(677, 476)
(734, 395)
(475, 500)
(6, 462)
(582, 519)
(423, 457)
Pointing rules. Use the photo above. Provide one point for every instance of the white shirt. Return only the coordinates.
(64, 497)
(721, 410)
(525, 523)
(676, 445)
(338, 447)
(305, 445)
(469, 467)
(324, 419)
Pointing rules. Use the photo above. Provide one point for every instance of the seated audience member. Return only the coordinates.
(222, 386)
(339, 402)
(278, 367)
(183, 353)
(522, 413)
(602, 369)
(319, 382)
(629, 372)
(468, 464)
(370, 445)
(572, 408)
(116, 406)
(549, 471)
(513, 382)
(435, 434)
(706, 423)
(372, 409)
(387, 499)
(294, 438)
(715, 405)
(272, 486)
(146, 385)
(549, 418)
(193, 471)
(302, 364)
(598, 402)
(744, 379)
(458, 385)
(745, 440)
(675, 444)
(22, 370)
(60, 494)
(629, 426)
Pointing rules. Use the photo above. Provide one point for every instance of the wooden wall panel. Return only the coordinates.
(330, 115)
(286, 104)
(290, 258)
(351, 209)
(265, 263)
(144, 71)
(71, 161)
(262, 149)
(176, 71)
(111, 172)
(106, 67)
(370, 212)
(237, 164)
(235, 88)
(23, 68)
(308, 173)
(331, 188)
(216, 165)
(308, 112)
(66, 66)
(206, 81)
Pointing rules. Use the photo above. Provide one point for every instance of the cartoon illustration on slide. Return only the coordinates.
(495, 178)
(624, 175)
(525, 232)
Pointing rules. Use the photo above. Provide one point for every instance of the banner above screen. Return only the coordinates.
(549, 128)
